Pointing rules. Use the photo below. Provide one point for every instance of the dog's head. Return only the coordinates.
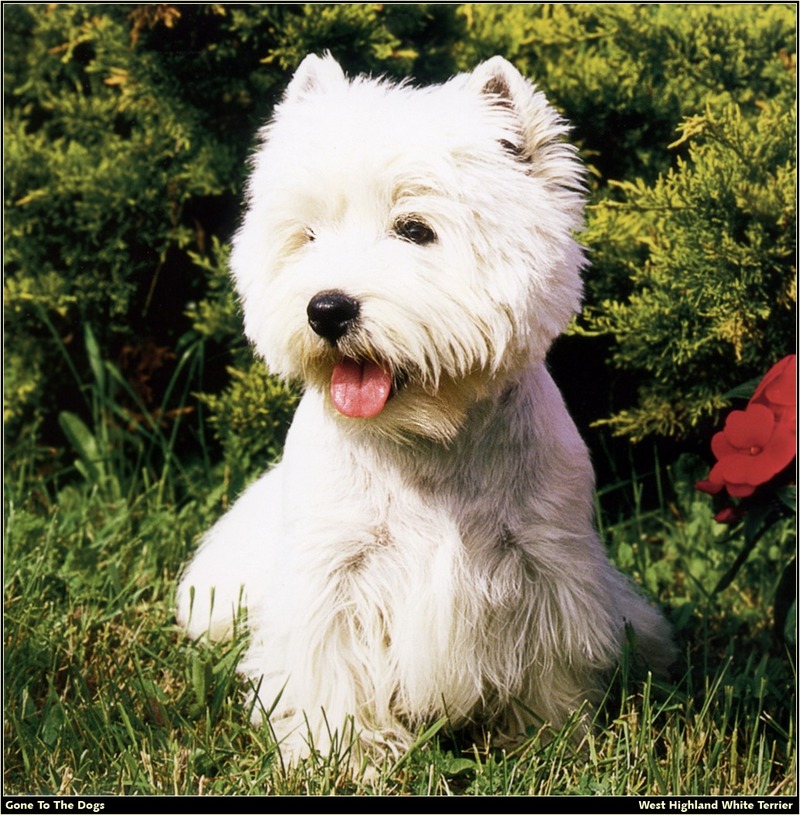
(408, 251)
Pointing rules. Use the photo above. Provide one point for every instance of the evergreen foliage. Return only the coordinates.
(692, 239)
(127, 132)
(128, 127)
(704, 296)
(626, 74)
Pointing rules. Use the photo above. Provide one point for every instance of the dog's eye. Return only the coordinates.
(414, 231)
(309, 234)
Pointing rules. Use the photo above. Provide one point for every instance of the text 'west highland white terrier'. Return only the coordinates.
(426, 546)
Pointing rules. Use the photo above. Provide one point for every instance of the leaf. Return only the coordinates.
(53, 722)
(789, 632)
(456, 766)
(785, 599)
(423, 739)
(84, 443)
(118, 76)
(95, 358)
(788, 496)
(202, 676)
(743, 391)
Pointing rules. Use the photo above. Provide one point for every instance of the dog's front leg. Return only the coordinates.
(232, 567)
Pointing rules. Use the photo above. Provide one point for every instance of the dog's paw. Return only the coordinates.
(208, 611)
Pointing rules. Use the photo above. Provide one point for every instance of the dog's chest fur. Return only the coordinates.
(435, 551)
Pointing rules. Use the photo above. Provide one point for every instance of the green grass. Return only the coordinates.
(105, 695)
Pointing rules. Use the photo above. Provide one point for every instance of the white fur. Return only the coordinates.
(439, 558)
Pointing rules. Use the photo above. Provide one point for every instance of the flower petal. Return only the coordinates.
(709, 486)
(740, 490)
(729, 515)
(721, 447)
(782, 446)
(779, 385)
(744, 469)
(751, 427)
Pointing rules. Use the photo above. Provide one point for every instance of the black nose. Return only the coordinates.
(331, 314)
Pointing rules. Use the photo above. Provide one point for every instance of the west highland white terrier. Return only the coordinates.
(426, 546)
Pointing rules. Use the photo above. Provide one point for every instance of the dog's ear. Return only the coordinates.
(496, 78)
(505, 86)
(315, 74)
(535, 134)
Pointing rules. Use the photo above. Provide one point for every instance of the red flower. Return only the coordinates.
(753, 447)
(778, 389)
(729, 515)
(760, 441)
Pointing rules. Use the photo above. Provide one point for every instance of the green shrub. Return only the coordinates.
(627, 74)
(704, 261)
(126, 136)
(128, 127)
(692, 239)
(104, 161)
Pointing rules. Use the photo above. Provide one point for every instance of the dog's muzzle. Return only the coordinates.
(331, 314)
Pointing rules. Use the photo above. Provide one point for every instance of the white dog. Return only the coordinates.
(426, 546)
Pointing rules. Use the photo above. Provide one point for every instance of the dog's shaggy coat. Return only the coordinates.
(426, 546)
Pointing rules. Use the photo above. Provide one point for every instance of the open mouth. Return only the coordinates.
(360, 389)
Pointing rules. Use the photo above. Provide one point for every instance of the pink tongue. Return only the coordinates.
(360, 390)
